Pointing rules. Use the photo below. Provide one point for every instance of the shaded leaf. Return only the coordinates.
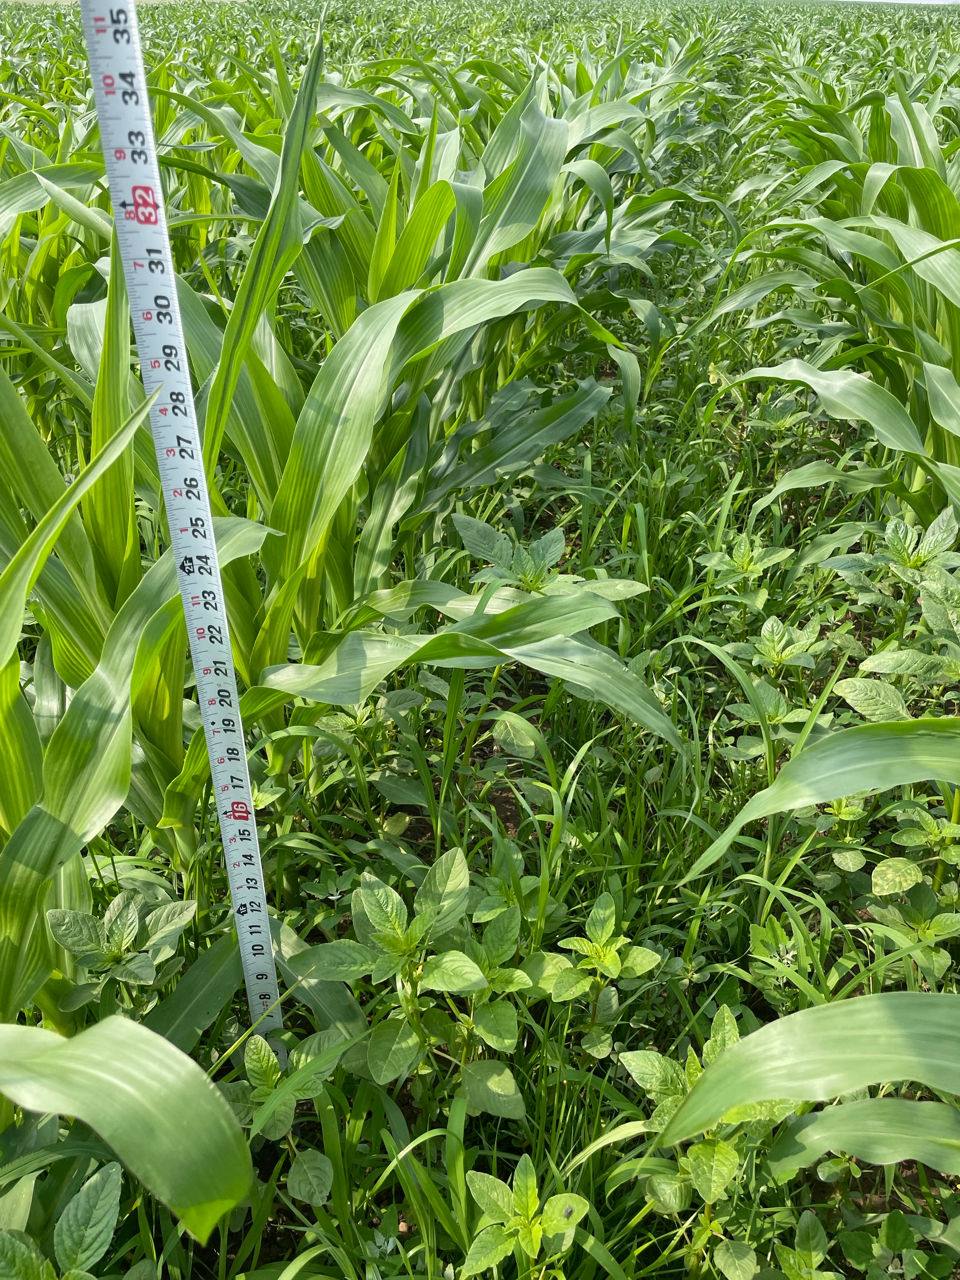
(86, 1226)
(711, 1166)
(393, 1049)
(735, 1260)
(310, 1177)
(496, 1024)
(489, 1086)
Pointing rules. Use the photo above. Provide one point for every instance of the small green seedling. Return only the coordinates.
(514, 1219)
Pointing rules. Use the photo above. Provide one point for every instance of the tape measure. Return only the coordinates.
(126, 131)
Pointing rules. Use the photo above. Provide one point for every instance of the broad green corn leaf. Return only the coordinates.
(880, 1130)
(826, 1051)
(335, 427)
(386, 238)
(21, 573)
(108, 511)
(151, 1103)
(21, 751)
(416, 241)
(845, 394)
(868, 757)
(278, 244)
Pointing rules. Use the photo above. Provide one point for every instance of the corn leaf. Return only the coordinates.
(151, 1103)
(21, 573)
(880, 1130)
(868, 757)
(826, 1051)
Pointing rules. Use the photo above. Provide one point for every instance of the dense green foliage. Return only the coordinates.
(580, 398)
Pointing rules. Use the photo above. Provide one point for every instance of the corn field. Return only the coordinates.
(579, 393)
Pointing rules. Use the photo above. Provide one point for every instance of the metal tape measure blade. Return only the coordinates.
(126, 131)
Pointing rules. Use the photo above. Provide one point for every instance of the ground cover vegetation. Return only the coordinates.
(580, 398)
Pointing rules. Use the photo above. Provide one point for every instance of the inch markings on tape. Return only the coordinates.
(126, 131)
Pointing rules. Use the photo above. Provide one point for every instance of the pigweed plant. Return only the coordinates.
(579, 404)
